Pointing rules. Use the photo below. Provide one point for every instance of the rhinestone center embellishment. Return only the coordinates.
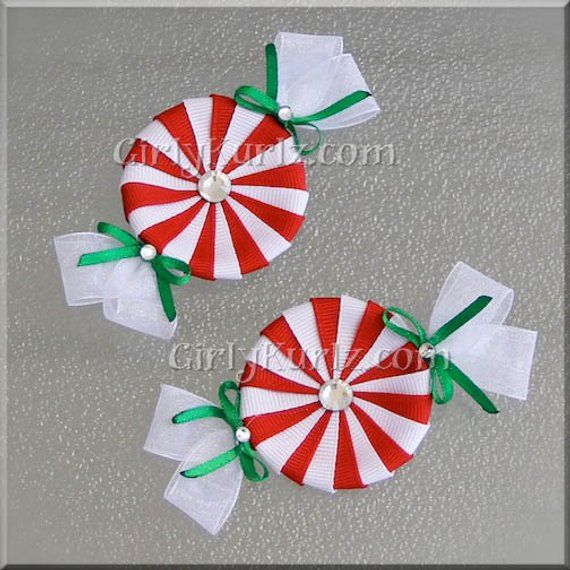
(214, 187)
(335, 395)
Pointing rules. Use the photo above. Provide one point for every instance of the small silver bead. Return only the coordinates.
(148, 252)
(285, 113)
(243, 435)
(426, 350)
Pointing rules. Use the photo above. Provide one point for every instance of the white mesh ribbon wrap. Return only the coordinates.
(208, 500)
(498, 358)
(314, 73)
(126, 288)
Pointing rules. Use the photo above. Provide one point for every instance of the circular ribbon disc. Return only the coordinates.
(216, 186)
(332, 398)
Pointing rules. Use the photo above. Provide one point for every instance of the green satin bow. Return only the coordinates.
(163, 265)
(254, 99)
(443, 372)
(228, 411)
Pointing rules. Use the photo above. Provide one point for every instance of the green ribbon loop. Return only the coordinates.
(443, 372)
(253, 468)
(169, 271)
(255, 100)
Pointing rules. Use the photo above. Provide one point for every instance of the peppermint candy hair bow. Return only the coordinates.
(337, 394)
(218, 184)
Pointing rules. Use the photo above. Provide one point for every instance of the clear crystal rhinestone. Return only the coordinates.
(426, 350)
(285, 113)
(214, 186)
(242, 434)
(148, 252)
(335, 395)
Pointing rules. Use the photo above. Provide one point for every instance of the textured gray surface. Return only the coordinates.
(473, 104)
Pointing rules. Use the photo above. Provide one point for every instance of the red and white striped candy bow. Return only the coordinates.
(333, 398)
(222, 188)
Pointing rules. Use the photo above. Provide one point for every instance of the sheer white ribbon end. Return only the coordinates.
(313, 73)
(210, 499)
(126, 288)
(497, 358)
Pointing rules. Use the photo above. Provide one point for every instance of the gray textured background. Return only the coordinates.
(473, 103)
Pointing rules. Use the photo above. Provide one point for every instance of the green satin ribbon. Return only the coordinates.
(228, 411)
(255, 100)
(163, 266)
(443, 372)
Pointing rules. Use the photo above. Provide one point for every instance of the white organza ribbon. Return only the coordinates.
(497, 358)
(208, 500)
(313, 73)
(126, 288)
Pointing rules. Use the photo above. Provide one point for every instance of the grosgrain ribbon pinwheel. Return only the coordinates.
(443, 371)
(266, 103)
(229, 412)
(163, 266)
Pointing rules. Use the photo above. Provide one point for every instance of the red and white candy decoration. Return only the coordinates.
(215, 185)
(332, 398)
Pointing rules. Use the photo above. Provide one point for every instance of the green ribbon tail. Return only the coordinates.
(337, 107)
(163, 267)
(107, 255)
(460, 319)
(198, 413)
(249, 463)
(471, 388)
(253, 468)
(166, 298)
(212, 464)
(271, 71)
(440, 379)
